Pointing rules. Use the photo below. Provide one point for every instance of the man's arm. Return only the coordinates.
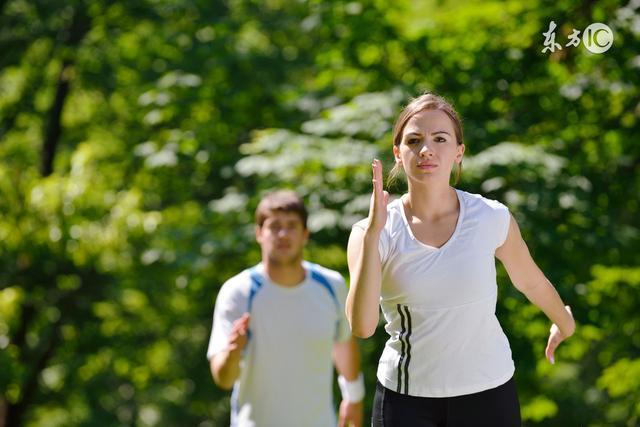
(346, 357)
(225, 365)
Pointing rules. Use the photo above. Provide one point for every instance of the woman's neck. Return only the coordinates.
(430, 203)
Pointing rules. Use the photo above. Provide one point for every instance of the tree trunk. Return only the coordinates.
(80, 25)
(54, 125)
(13, 414)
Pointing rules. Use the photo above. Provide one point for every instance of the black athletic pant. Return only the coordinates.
(497, 407)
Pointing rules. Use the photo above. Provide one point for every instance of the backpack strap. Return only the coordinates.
(256, 284)
(319, 278)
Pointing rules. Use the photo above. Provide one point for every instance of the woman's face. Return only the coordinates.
(429, 148)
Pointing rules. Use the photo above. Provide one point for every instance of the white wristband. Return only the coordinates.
(352, 391)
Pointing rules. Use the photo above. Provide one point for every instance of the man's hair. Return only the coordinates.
(281, 200)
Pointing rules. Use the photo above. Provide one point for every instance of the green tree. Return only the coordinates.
(136, 138)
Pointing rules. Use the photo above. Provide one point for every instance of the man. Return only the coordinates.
(277, 327)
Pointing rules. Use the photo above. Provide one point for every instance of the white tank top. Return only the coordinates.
(439, 304)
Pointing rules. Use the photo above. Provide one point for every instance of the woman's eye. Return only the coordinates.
(440, 139)
(412, 140)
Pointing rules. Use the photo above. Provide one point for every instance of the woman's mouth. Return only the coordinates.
(427, 166)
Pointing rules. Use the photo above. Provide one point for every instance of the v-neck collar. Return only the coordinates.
(455, 231)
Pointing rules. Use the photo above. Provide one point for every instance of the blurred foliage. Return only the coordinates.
(137, 137)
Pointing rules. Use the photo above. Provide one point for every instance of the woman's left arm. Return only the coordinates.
(531, 281)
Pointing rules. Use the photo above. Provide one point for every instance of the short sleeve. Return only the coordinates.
(230, 305)
(383, 243)
(344, 330)
(502, 223)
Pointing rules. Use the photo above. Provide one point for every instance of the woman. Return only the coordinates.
(428, 259)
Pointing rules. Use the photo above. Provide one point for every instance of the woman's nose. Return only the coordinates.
(424, 150)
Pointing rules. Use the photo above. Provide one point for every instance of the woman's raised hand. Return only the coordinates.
(379, 200)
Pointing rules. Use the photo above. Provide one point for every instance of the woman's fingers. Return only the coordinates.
(377, 177)
(550, 350)
(375, 181)
(555, 338)
(373, 178)
(379, 198)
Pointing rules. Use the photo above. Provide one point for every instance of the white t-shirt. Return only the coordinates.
(286, 374)
(439, 304)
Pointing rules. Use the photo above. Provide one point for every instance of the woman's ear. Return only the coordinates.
(461, 148)
(396, 154)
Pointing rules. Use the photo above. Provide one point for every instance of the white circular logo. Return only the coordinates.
(597, 37)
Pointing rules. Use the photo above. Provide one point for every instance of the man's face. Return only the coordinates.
(282, 237)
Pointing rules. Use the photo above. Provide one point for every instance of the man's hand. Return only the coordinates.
(350, 414)
(225, 366)
(238, 336)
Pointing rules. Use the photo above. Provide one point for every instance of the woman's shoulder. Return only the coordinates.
(395, 205)
(492, 214)
(475, 202)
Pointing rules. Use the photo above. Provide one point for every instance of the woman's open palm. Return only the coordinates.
(379, 200)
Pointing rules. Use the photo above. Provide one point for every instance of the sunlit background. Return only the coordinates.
(137, 136)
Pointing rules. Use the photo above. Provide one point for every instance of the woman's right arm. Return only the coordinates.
(365, 268)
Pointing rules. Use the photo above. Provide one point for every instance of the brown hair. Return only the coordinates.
(427, 101)
(281, 200)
